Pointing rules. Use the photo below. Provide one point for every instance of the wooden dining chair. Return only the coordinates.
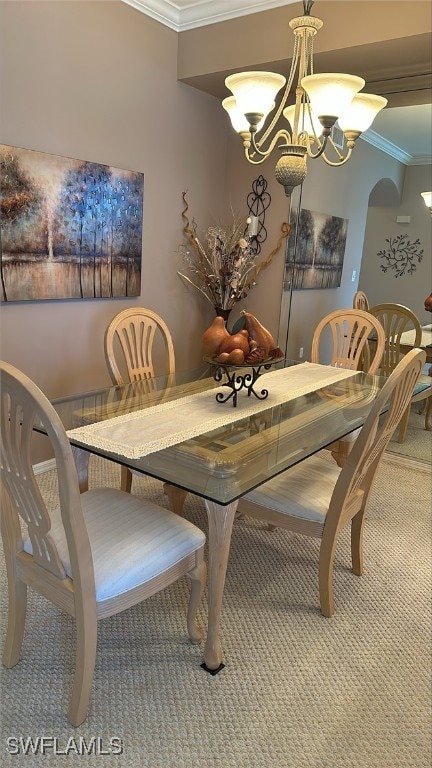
(360, 301)
(136, 331)
(97, 554)
(316, 498)
(396, 319)
(130, 351)
(345, 332)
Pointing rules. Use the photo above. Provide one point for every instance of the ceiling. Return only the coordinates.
(402, 131)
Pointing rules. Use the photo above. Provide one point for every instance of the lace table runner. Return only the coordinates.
(137, 434)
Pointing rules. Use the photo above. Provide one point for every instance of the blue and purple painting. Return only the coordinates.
(70, 229)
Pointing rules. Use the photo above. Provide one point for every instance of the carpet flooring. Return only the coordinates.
(298, 690)
(418, 441)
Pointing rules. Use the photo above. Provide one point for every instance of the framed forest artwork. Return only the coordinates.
(315, 255)
(70, 229)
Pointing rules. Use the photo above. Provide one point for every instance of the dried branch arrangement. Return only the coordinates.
(222, 267)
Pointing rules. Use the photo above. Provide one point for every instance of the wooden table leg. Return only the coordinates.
(176, 497)
(82, 459)
(221, 520)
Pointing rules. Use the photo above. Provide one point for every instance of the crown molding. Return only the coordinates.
(391, 149)
(159, 10)
(420, 160)
(201, 13)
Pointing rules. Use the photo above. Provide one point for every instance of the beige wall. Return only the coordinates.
(409, 289)
(98, 81)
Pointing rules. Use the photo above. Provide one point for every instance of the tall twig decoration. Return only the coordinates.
(223, 269)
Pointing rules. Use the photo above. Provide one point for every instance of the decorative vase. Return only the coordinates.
(428, 303)
(225, 313)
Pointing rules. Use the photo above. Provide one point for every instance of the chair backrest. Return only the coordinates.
(22, 406)
(357, 474)
(135, 331)
(350, 329)
(360, 301)
(395, 319)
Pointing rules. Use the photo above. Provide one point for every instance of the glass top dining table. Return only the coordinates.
(184, 430)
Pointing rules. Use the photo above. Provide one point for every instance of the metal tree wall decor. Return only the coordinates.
(258, 201)
(70, 229)
(401, 255)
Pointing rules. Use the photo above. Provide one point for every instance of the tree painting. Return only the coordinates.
(69, 228)
(315, 254)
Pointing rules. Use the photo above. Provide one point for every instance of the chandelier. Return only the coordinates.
(320, 101)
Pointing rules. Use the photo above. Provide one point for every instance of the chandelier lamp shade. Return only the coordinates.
(321, 100)
(427, 197)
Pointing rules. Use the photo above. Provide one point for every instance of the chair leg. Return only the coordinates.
(86, 625)
(326, 559)
(357, 542)
(17, 591)
(126, 480)
(428, 415)
(198, 578)
(403, 426)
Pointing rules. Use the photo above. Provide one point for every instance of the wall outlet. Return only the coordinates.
(353, 276)
(301, 353)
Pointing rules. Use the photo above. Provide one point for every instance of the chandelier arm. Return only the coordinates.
(281, 106)
(340, 162)
(321, 144)
(339, 154)
(250, 157)
(282, 134)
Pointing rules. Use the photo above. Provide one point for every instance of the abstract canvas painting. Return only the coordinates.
(70, 229)
(314, 258)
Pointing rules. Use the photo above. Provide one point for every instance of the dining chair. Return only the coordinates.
(360, 301)
(317, 498)
(346, 333)
(96, 554)
(129, 344)
(395, 319)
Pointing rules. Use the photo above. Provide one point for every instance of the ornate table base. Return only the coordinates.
(236, 381)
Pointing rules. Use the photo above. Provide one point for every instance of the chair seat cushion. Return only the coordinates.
(425, 379)
(303, 491)
(132, 540)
